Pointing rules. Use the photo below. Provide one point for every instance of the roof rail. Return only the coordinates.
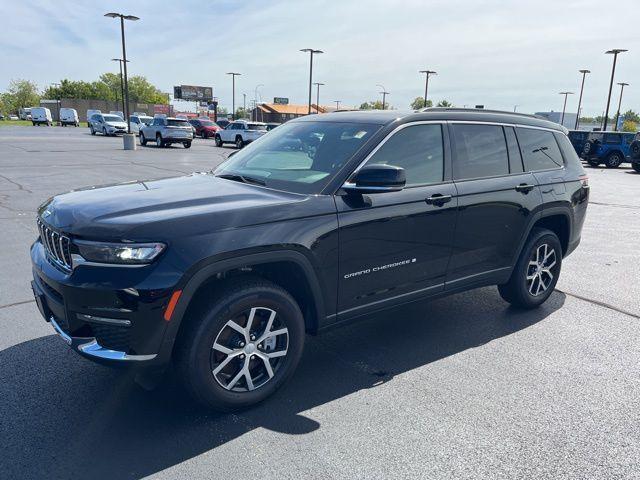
(459, 109)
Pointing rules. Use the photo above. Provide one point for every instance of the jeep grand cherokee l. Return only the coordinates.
(326, 218)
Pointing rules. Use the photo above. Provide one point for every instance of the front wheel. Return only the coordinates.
(218, 141)
(593, 163)
(614, 160)
(186, 144)
(143, 140)
(636, 166)
(93, 132)
(536, 273)
(239, 142)
(159, 142)
(204, 134)
(242, 345)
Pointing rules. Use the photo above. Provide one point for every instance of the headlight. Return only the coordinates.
(122, 253)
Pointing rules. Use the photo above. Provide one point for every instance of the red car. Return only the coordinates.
(204, 127)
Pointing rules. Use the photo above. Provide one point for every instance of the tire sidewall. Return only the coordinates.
(614, 160)
(218, 141)
(212, 321)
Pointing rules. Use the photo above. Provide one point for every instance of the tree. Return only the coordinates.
(444, 103)
(20, 94)
(141, 90)
(375, 105)
(631, 115)
(240, 113)
(418, 103)
(222, 111)
(629, 126)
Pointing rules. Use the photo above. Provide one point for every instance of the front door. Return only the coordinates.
(396, 245)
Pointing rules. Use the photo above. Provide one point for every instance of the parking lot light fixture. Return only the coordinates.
(622, 85)
(584, 74)
(428, 73)
(564, 106)
(317, 84)
(615, 52)
(122, 18)
(233, 93)
(384, 94)
(311, 51)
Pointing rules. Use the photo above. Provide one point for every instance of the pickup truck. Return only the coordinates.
(240, 132)
(165, 131)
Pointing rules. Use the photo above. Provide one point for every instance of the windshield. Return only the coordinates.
(300, 157)
(112, 118)
(146, 120)
(178, 123)
(256, 126)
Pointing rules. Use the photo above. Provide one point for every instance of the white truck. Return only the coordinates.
(240, 132)
(41, 116)
(69, 116)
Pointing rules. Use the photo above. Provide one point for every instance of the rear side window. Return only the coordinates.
(539, 148)
(611, 138)
(418, 149)
(480, 151)
(178, 123)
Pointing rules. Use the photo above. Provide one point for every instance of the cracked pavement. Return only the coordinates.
(461, 387)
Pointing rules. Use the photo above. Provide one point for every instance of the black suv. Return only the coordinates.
(325, 219)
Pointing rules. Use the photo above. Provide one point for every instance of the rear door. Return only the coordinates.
(396, 245)
(497, 199)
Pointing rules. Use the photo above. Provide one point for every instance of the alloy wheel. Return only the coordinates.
(249, 350)
(539, 272)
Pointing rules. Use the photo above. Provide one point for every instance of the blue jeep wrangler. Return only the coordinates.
(610, 148)
(635, 153)
(578, 138)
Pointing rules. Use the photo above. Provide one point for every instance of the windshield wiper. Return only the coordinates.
(241, 178)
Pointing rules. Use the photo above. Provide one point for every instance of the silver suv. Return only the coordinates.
(240, 132)
(106, 124)
(165, 131)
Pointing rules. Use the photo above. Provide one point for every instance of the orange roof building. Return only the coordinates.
(278, 113)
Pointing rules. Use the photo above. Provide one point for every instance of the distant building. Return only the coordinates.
(277, 113)
(569, 118)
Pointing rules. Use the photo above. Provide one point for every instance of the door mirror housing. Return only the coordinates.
(376, 178)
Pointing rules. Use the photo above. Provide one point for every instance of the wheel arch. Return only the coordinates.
(289, 269)
(557, 219)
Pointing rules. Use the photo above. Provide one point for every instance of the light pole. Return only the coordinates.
(317, 84)
(233, 93)
(337, 104)
(426, 83)
(622, 85)
(564, 106)
(311, 53)
(255, 100)
(384, 94)
(244, 105)
(615, 53)
(584, 74)
(514, 108)
(124, 60)
(119, 60)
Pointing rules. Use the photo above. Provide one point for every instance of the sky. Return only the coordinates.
(500, 53)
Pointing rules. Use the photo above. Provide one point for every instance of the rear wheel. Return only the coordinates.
(242, 345)
(614, 160)
(635, 149)
(636, 166)
(536, 273)
(186, 144)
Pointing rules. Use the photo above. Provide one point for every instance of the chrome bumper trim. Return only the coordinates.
(91, 348)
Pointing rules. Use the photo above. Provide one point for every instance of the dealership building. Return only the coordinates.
(280, 113)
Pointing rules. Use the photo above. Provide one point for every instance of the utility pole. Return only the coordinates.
(337, 105)
(426, 83)
(564, 106)
(318, 96)
(384, 95)
(584, 74)
(311, 53)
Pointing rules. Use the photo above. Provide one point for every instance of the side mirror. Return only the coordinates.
(376, 178)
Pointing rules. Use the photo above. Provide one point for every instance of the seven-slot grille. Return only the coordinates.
(56, 245)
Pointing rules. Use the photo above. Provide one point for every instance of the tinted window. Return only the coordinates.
(157, 121)
(540, 150)
(300, 157)
(480, 151)
(515, 159)
(611, 138)
(256, 126)
(628, 138)
(178, 123)
(417, 149)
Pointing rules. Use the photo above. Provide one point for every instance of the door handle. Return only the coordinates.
(524, 188)
(438, 199)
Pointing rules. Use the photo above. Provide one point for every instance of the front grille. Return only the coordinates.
(56, 245)
(112, 337)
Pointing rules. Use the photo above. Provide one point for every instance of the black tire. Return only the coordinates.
(159, 142)
(239, 142)
(34, 123)
(518, 291)
(197, 359)
(636, 166)
(635, 149)
(93, 132)
(593, 163)
(143, 140)
(204, 134)
(614, 159)
(218, 141)
(186, 144)
(104, 131)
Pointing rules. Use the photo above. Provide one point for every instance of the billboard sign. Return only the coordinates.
(281, 101)
(193, 93)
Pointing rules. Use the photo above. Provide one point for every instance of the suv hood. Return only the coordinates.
(160, 209)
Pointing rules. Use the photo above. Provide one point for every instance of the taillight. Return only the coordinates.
(584, 180)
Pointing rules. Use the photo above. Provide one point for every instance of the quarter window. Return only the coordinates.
(480, 151)
(540, 150)
(418, 149)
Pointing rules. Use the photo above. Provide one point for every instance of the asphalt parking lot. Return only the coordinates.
(461, 387)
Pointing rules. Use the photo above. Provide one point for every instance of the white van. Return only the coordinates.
(118, 113)
(91, 113)
(24, 114)
(41, 116)
(69, 116)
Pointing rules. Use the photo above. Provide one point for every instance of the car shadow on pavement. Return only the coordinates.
(62, 416)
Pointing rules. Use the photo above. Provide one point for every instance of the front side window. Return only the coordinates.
(300, 157)
(480, 151)
(418, 149)
(539, 148)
